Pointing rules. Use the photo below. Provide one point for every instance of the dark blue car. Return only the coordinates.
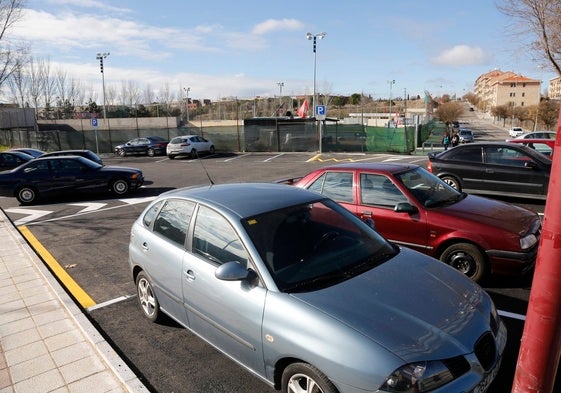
(42, 177)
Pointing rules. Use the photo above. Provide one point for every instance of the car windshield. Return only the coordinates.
(428, 189)
(315, 245)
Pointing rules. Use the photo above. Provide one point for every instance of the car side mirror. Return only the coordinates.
(405, 207)
(231, 271)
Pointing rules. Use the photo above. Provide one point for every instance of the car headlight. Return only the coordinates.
(528, 241)
(134, 176)
(418, 377)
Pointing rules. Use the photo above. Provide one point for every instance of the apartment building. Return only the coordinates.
(497, 87)
(554, 89)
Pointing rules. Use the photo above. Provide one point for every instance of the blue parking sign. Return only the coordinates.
(94, 122)
(320, 112)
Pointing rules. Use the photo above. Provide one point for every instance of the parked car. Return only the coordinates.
(544, 146)
(41, 177)
(13, 159)
(149, 145)
(29, 151)
(90, 155)
(309, 298)
(516, 131)
(412, 207)
(189, 145)
(538, 135)
(494, 168)
(466, 135)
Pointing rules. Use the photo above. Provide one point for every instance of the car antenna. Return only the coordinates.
(204, 168)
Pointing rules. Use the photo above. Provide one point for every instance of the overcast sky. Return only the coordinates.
(245, 48)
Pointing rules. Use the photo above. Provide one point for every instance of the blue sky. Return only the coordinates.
(225, 48)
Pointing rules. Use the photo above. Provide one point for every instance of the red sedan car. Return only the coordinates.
(412, 207)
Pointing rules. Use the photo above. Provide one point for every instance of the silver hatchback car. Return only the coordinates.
(308, 297)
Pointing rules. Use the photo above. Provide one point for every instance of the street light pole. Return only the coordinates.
(100, 57)
(391, 83)
(313, 37)
(280, 84)
(187, 89)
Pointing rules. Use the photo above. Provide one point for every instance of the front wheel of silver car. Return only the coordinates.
(466, 258)
(452, 182)
(305, 378)
(147, 298)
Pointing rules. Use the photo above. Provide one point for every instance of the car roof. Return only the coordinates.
(246, 199)
(533, 140)
(19, 153)
(526, 149)
(184, 136)
(389, 167)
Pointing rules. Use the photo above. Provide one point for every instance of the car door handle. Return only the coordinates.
(190, 275)
(145, 246)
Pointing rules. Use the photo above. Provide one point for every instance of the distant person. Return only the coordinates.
(446, 140)
(455, 139)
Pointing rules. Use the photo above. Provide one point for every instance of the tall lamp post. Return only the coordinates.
(187, 89)
(313, 37)
(100, 57)
(391, 83)
(280, 84)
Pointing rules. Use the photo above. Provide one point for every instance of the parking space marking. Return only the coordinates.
(272, 158)
(109, 302)
(236, 157)
(511, 315)
(31, 214)
(89, 206)
(75, 290)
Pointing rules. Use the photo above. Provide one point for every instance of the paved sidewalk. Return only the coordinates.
(47, 344)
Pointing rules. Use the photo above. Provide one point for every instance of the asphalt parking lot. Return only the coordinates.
(89, 238)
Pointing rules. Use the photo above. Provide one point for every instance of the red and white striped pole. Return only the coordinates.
(540, 348)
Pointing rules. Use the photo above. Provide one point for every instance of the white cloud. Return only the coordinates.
(461, 55)
(277, 24)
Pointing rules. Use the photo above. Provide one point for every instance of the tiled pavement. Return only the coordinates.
(47, 344)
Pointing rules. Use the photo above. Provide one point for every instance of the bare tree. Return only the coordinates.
(12, 55)
(540, 18)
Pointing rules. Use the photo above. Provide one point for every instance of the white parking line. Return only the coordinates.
(272, 158)
(236, 157)
(109, 302)
(512, 315)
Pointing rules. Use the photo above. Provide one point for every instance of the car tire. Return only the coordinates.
(26, 195)
(211, 150)
(121, 152)
(303, 377)
(120, 186)
(150, 152)
(147, 298)
(452, 182)
(193, 153)
(171, 156)
(466, 258)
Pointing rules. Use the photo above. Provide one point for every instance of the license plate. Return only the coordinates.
(489, 378)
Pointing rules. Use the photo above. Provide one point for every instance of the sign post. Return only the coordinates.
(320, 113)
(94, 125)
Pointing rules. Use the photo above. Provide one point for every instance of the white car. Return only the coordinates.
(515, 131)
(189, 145)
(538, 135)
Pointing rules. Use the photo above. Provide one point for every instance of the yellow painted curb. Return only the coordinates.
(79, 294)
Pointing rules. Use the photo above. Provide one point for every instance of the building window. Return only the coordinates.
(523, 94)
(522, 103)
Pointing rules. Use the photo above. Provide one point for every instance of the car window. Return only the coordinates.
(67, 166)
(468, 153)
(216, 240)
(173, 220)
(335, 185)
(150, 214)
(37, 167)
(506, 156)
(541, 147)
(378, 190)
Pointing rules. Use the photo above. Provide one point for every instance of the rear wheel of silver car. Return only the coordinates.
(122, 152)
(466, 258)
(452, 182)
(193, 153)
(211, 150)
(120, 186)
(305, 378)
(151, 152)
(26, 195)
(171, 156)
(147, 298)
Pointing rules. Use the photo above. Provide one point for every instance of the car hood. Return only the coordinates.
(492, 213)
(413, 305)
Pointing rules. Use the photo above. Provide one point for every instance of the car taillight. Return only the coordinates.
(429, 167)
(184, 144)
